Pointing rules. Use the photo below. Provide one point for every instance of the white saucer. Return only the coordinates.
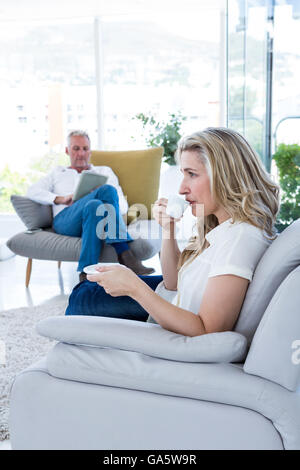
(91, 269)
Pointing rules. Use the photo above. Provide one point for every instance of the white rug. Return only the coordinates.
(23, 346)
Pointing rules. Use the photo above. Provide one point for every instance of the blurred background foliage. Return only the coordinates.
(287, 159)
(164, 134)
(17, 182)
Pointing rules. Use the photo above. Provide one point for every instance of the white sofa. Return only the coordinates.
(119, 384)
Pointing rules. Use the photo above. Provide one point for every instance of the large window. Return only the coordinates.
(247, 70)
(286, 91)
(47, 84)
(47, 78)
(98, 71)
(160, 64)
(64, 67)
(264, 72)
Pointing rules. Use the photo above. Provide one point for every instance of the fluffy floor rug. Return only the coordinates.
(23, 346)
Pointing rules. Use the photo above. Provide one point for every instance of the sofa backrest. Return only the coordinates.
(138, 172)
(282, 257)
(275, 350)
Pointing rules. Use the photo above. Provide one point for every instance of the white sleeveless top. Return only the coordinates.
(234, 249)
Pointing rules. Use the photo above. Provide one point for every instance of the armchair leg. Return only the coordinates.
(59, 264)
(28, 271)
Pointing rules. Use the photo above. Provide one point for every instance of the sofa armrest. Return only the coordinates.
(146, 338)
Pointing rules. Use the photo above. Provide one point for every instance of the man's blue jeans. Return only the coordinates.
(95, 217)
(88, 298)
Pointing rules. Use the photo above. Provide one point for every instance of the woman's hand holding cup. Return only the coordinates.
(176, 206)
(168, 211)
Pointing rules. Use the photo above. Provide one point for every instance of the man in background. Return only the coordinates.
(80, 219)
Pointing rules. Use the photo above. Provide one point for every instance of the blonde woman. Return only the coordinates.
(235, 202)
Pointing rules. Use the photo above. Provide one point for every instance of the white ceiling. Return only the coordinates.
(15, 10)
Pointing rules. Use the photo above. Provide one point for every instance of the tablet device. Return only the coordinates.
(88, 181)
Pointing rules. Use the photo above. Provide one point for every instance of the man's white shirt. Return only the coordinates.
(62, 181)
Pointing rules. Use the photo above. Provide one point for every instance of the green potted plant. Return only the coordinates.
(163, 134)
(287, 159)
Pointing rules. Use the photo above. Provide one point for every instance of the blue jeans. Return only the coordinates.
(94, 217)
(88, 298)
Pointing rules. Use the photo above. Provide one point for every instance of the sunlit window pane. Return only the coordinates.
(47, 77)
(286, 109)
(247, 48)
(160, 64)
(47, 87)
(55, 77)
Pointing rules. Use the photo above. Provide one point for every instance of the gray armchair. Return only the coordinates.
(119, 384)
(138, 172)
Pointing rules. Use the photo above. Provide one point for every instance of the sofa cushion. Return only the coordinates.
(45, 245)
(278, 261)
(146, 338)
(32, 214)
(214, 383)
(49, 245)
(275, 350)
(138, 172)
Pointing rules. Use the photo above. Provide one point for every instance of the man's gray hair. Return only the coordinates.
(77, 132)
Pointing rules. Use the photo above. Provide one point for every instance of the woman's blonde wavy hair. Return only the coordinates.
(239, 184)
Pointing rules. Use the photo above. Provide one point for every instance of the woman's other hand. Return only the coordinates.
(116, 280)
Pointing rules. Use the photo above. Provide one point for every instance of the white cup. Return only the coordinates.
(92, 268)
(176, 206)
